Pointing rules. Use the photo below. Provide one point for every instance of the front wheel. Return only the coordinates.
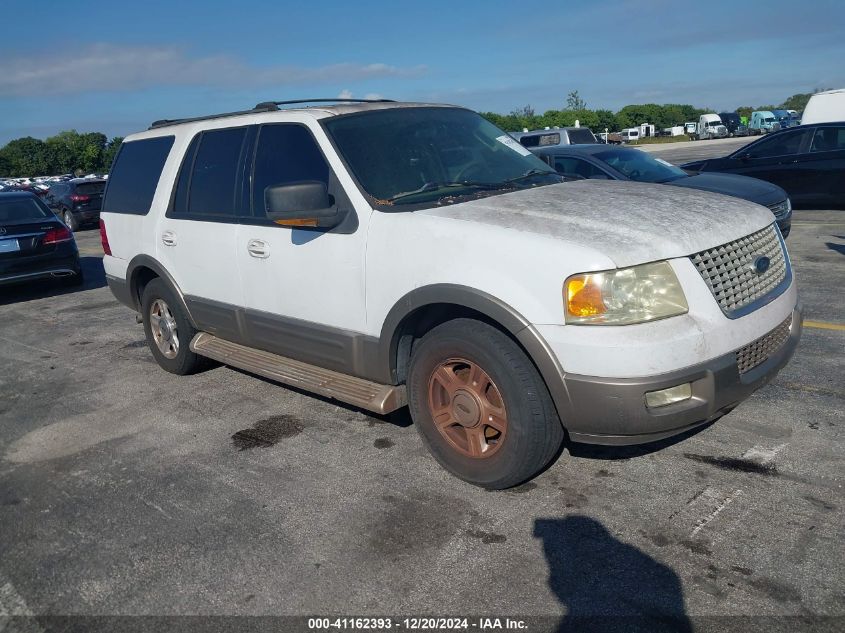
(481, 406)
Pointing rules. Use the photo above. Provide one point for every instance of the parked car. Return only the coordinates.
(77, 201)
(808, 162)
(763, 122)
(34, 244)
(391, 253)
(825, 107)
(557, 136)
(623, 163)
(709, 127)
(741, 130)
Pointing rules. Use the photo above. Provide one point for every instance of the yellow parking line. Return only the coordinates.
(821, 325)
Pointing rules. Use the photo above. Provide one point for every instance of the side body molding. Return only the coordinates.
(491, 307)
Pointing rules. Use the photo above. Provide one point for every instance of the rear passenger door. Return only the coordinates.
(303, 287)
(822, 167)
(774, 159)
(196, 239)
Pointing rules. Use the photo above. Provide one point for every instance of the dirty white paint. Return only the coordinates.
(630, 222)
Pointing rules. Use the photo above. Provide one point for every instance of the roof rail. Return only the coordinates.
(274, 105)
(264, 106)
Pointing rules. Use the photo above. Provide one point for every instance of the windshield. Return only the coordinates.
(640, 166)
(713, 123)
(433, 155)
(21, 211)
(769, 119)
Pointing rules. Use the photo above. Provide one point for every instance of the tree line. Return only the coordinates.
(68, 152)
(71, 152)
(662, 116)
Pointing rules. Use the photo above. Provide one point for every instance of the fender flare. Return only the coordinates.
(493, 308)
(145, 261)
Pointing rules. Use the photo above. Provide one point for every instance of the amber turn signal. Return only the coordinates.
(584, 296)
(297, 222)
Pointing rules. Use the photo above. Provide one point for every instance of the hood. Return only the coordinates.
(629, 222)
(751, 189)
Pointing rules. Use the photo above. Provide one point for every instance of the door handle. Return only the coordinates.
(258, 248)
(168, 238)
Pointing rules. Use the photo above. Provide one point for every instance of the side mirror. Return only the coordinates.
(745, 157)
(302, 204)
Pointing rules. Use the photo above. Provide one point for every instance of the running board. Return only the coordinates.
(359, 392)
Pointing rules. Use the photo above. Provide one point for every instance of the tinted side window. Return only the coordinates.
(286, 153)
(215, 173)
(134, 176)
(780, 145)
(180, 198)
(828, 139)
(576, 167)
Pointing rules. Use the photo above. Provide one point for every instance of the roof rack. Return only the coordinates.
(264, 106)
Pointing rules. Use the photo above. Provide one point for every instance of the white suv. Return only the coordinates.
(386, 254)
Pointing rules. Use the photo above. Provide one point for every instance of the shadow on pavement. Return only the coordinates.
(607, 585)
(598, 451)
(92, 268)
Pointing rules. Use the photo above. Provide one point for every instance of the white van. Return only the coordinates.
(825, 107)
(630, 135)
(710, 126)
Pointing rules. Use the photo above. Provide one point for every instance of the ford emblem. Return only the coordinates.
(761, 264)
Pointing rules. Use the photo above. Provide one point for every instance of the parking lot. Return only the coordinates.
(128, 491)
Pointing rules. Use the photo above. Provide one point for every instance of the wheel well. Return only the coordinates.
(140, 278)
(416, 324)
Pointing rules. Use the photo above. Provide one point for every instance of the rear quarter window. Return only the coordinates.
(135, 174)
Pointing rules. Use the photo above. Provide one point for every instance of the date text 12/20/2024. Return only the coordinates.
(417, 624)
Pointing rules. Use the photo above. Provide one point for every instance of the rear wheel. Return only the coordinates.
(481, 406)
(169, 333)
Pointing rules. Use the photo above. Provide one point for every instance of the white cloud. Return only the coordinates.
(345, 94)
(107, 67)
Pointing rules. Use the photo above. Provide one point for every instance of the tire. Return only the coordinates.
(71, 222)
(169, 341)
(527, 433)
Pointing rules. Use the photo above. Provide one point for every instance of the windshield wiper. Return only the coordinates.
(434, 186)
(529, 174)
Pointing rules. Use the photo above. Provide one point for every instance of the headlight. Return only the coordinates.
(624, 296)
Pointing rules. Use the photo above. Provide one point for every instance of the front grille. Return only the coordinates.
(754, 353)
(730, 270)
(781, 209)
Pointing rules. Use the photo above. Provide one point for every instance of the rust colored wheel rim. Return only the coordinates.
(467, 408)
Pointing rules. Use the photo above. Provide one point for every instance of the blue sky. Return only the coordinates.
(117, 66)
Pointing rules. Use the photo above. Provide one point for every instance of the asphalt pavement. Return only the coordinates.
(685, 151)
(125, 490)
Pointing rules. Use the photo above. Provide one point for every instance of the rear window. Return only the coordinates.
(22, 210)
(134, 176)
(89, 188)
(581, 135)
(540, 140)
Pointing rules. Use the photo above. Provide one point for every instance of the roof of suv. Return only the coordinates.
(333, 107)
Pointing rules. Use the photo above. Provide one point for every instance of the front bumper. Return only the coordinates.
(613, 411)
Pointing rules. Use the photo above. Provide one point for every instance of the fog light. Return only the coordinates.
(654, 399)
